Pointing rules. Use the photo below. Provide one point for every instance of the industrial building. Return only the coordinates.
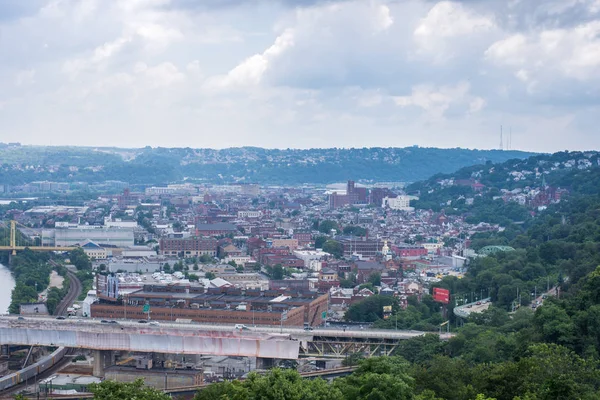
(189, 247)
(69, 237)
(169, 302)
(363, 247)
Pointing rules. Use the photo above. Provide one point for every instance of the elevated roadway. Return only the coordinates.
(132, 336)
(209, 339)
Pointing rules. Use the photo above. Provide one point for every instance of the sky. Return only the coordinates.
(301, 73)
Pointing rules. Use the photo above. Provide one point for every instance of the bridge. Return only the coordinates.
(465, 310)
(265, 343)
(13, 242)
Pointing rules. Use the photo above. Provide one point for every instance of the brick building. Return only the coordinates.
(367, 248)
(303, 238)
(190, 247)
(218, 305)
(353, 195)
(220, 228)
(409, 251)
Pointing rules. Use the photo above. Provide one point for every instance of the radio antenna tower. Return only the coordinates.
(501, 141)
(510, 138)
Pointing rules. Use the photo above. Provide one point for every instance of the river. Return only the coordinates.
(7, 283)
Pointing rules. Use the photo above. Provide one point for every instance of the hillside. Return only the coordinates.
(511, 191)
(21, 164)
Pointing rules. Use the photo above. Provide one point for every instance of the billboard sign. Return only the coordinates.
(387, 311)
(441, 295)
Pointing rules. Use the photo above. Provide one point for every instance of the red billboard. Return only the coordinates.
(441, 295)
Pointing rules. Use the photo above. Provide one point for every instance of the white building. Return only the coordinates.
(94, 252)
(249, 214)
(401, 203)
(311, 258)
(239, 260)
(119, 223)
(119, 237)
(87, 303)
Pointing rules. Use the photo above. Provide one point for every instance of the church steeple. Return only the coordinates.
(544, 181)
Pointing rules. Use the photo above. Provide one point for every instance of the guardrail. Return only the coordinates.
(464, 311)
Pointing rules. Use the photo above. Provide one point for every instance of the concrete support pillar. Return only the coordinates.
(264, 363)
(102, 359)
(5, 350)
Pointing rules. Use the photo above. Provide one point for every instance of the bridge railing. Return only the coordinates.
(464, 311)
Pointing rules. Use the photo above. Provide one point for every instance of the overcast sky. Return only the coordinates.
(301, 73)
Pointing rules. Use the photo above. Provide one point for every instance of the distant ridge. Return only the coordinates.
(22, 164)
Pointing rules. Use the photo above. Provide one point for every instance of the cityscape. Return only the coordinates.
(299, 200)
(184, 285)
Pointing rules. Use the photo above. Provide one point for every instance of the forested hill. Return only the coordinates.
(512, 191)
(21, 164)
(562, 169)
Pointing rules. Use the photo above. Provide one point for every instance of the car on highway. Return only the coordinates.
(469, 305)
(142, 321)
(155, 323)
(61, 317)
(241, 327)
(103, 321)
(478, 303)
(21, 318)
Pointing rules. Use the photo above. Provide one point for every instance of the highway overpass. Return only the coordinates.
(208, 339)
(135, 337)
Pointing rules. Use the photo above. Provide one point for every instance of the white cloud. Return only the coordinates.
(437, 100)
(441, 73)
(25, 77)
(574, 53)
(447, 21)
(476, 104)
(314, 42)
(251, 70)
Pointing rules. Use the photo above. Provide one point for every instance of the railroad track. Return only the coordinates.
(9, 392)
(72, 295)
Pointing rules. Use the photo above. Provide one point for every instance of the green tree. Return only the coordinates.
(277, 272)
(334, 248)
(378, 378)
(320, 241)
(112, 390)
(277, 384)
(206, 259)
(370, 309)
(327, 225)
(79, 259)
(210, 275)
(375, 279)
(355, 230)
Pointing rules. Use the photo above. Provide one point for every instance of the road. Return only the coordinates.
(94, 324)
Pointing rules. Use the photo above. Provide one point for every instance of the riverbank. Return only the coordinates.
(7, 284)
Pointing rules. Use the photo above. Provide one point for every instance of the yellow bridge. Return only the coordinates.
(14, 245)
